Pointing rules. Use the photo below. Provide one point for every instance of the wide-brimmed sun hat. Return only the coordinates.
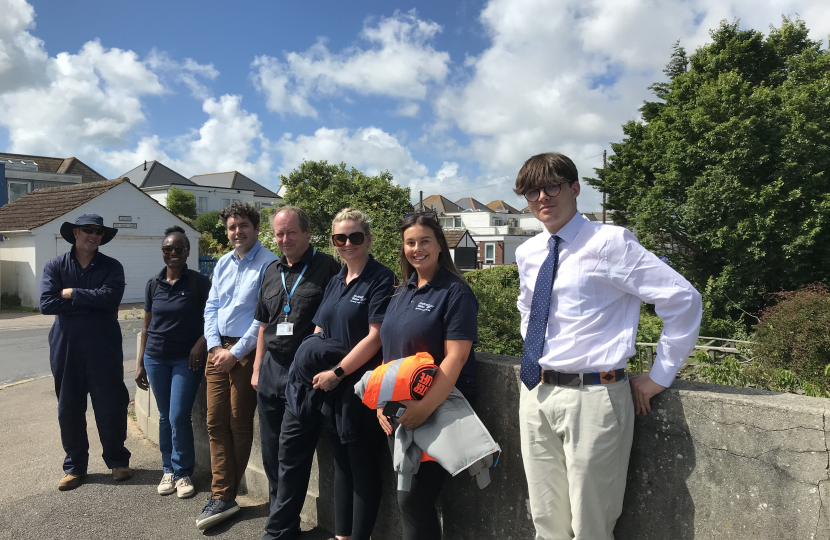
(87, 219)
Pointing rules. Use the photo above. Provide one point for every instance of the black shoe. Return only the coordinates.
(215, 511)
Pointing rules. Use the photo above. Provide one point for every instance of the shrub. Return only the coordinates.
(210, 223)
(497, 289)
(181, 202)
(795, 335)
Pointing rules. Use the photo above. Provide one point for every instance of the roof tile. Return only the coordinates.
(43, 205)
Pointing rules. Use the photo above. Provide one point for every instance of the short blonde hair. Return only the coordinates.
(352, 214)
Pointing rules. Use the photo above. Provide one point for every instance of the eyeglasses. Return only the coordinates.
(167, 250)
(92, 230)
(356, 238)
(431, 214)
(552, 190)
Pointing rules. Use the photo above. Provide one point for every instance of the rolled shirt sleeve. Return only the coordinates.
(637, 271)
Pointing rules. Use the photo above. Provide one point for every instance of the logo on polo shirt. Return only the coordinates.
(421, 380)
(423, 306)
(357, 299)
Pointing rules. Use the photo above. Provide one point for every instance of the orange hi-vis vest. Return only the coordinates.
(398, 380)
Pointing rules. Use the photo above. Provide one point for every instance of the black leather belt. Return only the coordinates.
(579, 379)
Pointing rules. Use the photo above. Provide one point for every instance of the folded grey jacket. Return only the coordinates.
(453, 435)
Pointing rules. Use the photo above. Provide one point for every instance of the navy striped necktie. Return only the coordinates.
(537, 326)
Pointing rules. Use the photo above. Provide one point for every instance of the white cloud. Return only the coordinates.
(566, 76)
(407, 109)
(400, 62)
(92, 98)
(231, 139)
(188, 72)
(370, 149)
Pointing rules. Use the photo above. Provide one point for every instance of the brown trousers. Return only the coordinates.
(231, 404)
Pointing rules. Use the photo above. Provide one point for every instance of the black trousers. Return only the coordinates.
(297, 442)
(270, 397)
(357, 480)
(102, 377)
(420, 517)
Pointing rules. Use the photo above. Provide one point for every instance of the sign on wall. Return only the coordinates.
(125, 225)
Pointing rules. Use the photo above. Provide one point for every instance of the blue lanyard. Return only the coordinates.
(287, 308)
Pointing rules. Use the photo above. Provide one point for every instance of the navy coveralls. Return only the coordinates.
(86, 356)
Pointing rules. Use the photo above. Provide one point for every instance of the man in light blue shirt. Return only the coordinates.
(231, 332)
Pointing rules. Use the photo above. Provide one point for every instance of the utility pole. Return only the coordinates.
(422, 201)
(604, 155)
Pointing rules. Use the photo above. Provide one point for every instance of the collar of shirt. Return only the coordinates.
(570, 229)
(305, 259)
(163, 274)
(251, 254)
(437, 280)
(367, 270)
(91, 263)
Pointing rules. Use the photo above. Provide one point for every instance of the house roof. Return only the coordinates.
(468, 203)
(58, 165)
(440, 204)
(43, 205)
(526, 210)
(502, 207)
(454, 236)
(154, 174)
(233, 180)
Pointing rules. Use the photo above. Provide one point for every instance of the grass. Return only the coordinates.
(11, 302)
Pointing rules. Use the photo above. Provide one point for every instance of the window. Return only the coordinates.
(226, 203)
(489, 253)
(451, 222)
(17, 190)
(203, 205)
(512, 222)
(236, 200)
(498, 222)
(457, 221)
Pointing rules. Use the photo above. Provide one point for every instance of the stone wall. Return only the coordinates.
(709, 462)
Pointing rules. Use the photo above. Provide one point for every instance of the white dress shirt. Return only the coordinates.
(603, 275)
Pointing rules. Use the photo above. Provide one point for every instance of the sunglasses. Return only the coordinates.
(431, 214)
(356, 238)
(167, 250)
(92, 230)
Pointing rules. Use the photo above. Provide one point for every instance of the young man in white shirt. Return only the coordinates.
(581, 284)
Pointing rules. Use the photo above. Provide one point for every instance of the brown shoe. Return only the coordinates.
(70, 481)
(119, 474)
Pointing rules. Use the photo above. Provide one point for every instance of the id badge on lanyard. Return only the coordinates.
(286, 328)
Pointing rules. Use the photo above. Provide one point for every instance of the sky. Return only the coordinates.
(450, 97)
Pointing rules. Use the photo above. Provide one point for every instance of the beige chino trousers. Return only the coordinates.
(575, 445)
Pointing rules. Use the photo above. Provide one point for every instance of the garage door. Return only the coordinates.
(140, 256)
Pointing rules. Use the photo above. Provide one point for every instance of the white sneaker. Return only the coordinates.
(167, 486)
(184, 487)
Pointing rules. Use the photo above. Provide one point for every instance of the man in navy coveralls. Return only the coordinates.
(83, 289)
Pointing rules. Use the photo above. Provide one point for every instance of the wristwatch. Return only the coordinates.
(338, 371)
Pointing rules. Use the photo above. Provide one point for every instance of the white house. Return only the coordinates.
(212, 191)
(30, 227)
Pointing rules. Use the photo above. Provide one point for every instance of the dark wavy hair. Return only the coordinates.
(242, 210)
(544, 169)
(444, 258)
(175, 229)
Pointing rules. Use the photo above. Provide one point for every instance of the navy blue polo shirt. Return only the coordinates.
(177, 317)
(347, 310)
(420, 320)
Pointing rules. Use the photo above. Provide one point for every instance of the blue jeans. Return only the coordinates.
(174, 384)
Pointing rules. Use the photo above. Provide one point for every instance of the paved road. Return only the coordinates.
(31, 507)
(24, 347)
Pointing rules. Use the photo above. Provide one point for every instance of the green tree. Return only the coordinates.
(729, 178)
(181, 202)
(496, 289)
(322, 190)
(210, 223)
